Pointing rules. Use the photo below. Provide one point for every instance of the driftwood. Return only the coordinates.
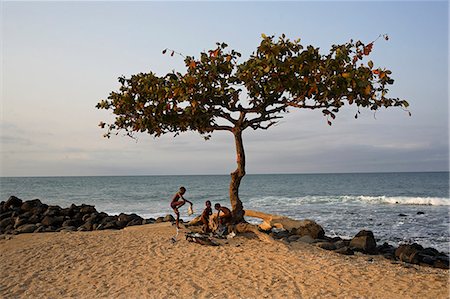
(238, 228)
(274, 221)
(298, 227)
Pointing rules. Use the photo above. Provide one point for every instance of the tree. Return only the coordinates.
(217, 93)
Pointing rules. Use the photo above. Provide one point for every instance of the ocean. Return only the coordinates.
(397, 207)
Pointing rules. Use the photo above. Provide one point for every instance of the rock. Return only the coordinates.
(306, 239)
(20, 221)
(52, 211)
(408, 253)
(279, 234)
(148, 221)
(342, 243)
(364, 241)
(169, 218)
(326, 245)
(293, 238)
(5, 222)
(40, 229)
(70, 222)
(12, 202)
(87, 209)
(52, 221)
(30, 205)
(134, 222)
(388, 251)
(345, 251)
(110, 225)
(441, 262)
(402, 215)
(87, 226)
(67, 212)
(26, 228)
(420, 213)
(430, 251)
(67, 229)
(6, 214)
(309, 228)
(35, 218)
(108, 219)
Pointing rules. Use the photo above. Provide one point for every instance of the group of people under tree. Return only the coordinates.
(224, 216)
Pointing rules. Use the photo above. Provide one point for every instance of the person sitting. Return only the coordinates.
(226, 216)
(205, 217)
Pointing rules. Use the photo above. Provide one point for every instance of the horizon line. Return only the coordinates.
(218, 174)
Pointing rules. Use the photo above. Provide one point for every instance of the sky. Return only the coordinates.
(59, 59)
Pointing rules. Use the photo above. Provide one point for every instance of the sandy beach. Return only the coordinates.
(141, 262)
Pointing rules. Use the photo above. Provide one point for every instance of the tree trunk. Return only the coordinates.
(236, 177)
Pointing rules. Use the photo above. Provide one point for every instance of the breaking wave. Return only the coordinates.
(397, 200)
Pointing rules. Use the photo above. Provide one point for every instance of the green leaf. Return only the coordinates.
(370, 63)
(263, 35)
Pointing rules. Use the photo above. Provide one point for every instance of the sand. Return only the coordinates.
(141, 262)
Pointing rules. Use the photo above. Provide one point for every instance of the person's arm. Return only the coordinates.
(187, 201)
(218, 217)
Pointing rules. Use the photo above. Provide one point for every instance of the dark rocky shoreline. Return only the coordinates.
(33, 216)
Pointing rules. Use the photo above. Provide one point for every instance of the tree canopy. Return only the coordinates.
(216, 92)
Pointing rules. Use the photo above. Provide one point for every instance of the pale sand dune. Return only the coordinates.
(141, 262)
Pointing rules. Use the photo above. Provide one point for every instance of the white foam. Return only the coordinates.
(400, 200)
(403, 200)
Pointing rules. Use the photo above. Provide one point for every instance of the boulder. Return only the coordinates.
(345, 251)
(35, 218)
(308, 228)
(364, 241)
(326, 245)
(71, 222)
(148, 221)
(306, 239)
(441, 262)
(342, 243)
(110, 225)
(87, 226)
(20, 221)
(5, 222)
(67, 212)
(169, 218)
(40, 229)
(134, 222)
(409, 253)
(52, 221)
(34, 206)
(67, 229)
(52, 211)
(12, 202)
(6, 214)
(87, 209)
(26, 228)
(279, 234)
(293, 238)
(388, 251)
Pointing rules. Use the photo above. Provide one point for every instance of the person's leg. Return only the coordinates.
(177, 213)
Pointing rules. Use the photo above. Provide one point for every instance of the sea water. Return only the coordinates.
(397, 207)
